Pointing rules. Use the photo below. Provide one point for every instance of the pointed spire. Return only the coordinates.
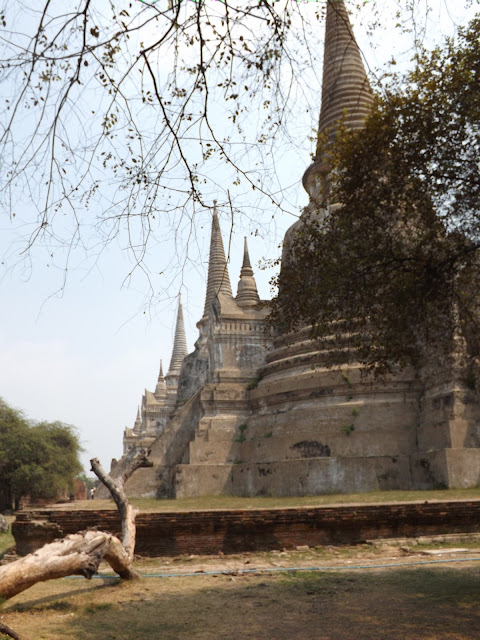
(161, 388)
(246, 266)
(179, 343)
(346, 92)
(247, 294)
(345, 87)
(218, 278)
(138, 422)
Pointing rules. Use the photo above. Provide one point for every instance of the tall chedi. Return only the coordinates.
(331, 429)
(337, 429)
(231, 341)
(215, 378)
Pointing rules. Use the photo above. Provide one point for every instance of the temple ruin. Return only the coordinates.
(251, 413)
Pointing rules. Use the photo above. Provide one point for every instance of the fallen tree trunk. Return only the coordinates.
(77, 554)
(81, 553)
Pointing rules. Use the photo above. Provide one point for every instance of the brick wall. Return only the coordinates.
(208, 532)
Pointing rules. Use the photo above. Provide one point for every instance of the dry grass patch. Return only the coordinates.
(439, 603)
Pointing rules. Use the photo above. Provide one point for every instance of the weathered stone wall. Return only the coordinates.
(194, 372)
(208, 532)
(166, 452)
(294, 477)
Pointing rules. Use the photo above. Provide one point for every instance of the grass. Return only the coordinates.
(397, 604)
(265, 502)
(415, 603)
(6, 539)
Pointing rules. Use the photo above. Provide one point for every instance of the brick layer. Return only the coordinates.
(208, 532)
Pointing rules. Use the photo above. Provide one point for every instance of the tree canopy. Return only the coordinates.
(396, 265)
(39, 460)
(122, 120)
(127, 111)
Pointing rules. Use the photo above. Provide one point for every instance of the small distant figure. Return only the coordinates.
(93, 491)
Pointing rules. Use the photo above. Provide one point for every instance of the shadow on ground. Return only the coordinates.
(413, 604)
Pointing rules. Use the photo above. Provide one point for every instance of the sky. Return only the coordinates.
(85, 354)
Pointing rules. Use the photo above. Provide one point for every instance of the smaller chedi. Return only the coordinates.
(194, 414)
(157, 407)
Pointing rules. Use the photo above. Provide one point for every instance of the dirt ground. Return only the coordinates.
(391, 592)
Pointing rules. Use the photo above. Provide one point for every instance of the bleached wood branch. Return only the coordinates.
(81, 553)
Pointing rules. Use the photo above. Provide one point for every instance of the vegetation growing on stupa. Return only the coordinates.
(396, 266)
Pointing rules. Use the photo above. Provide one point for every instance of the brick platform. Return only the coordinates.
(208, 532)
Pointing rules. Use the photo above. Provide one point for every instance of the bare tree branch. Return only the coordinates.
(116, 487)
(81, 553)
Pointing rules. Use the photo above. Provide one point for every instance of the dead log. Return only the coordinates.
(77, 554)
(81, 553)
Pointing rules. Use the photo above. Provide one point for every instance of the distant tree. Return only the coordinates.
(39, 460)
(396, 266)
